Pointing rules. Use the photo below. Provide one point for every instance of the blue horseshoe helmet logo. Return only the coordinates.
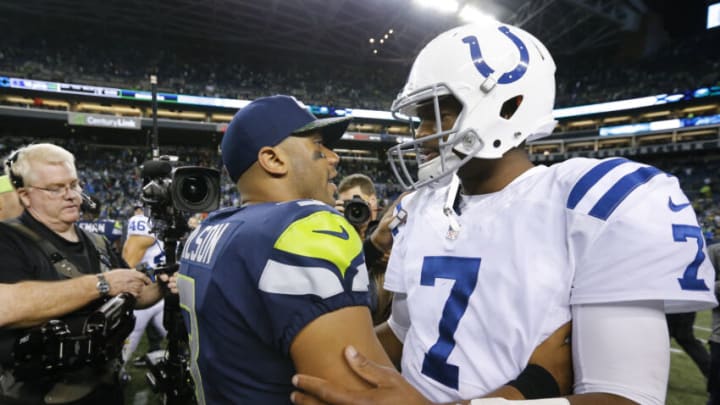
(484, 69)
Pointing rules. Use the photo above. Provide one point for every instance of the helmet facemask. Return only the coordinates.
(485, 67)
(410, 156)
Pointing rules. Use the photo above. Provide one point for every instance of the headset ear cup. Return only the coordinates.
(15, 179)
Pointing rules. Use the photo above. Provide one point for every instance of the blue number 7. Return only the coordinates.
(464, 271)
(689, 280)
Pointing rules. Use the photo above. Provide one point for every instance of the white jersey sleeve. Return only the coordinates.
(621, 349)
(140, 225)
(634, 236)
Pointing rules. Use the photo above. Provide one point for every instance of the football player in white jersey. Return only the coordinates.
(496, 253)
(142, 247)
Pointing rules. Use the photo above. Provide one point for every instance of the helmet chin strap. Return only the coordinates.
(438, 171)
(454, 226)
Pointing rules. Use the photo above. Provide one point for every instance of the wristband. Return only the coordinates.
(535, 382)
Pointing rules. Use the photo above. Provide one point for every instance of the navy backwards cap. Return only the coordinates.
(268, 121)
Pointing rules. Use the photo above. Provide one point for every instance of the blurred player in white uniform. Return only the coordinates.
(497, 253)
(142, 247)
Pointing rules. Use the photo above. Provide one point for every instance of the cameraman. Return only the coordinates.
(362, 186)
(351, 188)
(52, 270)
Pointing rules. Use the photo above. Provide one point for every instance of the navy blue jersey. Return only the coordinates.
(250, 279)
(108, 228)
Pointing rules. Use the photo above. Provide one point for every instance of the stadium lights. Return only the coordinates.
(471, 13)
(381, 41)
(446, 6)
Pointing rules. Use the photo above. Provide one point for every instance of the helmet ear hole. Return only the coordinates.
(510, 106)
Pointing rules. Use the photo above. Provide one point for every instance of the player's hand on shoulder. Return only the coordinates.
(555, 355)
(340, 206)
(126, 280)
(386, 386)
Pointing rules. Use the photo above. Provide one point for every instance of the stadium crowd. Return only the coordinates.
(112, 174)
(682, 65)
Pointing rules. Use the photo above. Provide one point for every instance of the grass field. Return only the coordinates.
(687, 384)
(686, 387)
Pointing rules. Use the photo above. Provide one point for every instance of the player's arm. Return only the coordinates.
(387, 386)
(149, 295)
(135, 247)
(391, 333)
(390, 343)
(317, 350)
(620, 353)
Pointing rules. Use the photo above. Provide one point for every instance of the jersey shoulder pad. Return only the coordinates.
(316, 230)
(599, 187)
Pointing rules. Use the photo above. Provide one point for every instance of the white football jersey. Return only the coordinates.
(581, 231)
(154, 255)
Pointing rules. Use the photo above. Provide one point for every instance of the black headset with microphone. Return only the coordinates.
(15, 179)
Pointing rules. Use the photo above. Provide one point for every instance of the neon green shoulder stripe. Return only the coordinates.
(322, 235)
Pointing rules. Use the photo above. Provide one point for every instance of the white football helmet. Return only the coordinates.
(484, 66)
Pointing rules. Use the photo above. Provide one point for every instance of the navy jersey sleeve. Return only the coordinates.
(279, 267)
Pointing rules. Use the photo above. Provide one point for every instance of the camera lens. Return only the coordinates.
(357, 211)
(194, 189)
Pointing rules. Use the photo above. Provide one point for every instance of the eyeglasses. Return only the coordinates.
(60, 191)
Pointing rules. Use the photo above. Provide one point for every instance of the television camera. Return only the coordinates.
(51, 348)
(172, 192)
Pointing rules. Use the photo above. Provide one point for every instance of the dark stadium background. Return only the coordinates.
(319, 51)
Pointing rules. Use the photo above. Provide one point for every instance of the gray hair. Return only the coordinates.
(26, 156)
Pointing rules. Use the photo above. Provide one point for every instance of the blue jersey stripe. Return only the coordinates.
(617, 193)
(590, 179)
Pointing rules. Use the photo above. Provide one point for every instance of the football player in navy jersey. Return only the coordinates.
(278, 284)
(495, 253)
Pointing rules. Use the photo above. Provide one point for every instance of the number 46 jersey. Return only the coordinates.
(154, 255)
(580, 232)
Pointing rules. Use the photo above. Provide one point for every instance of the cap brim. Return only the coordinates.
(332, 129)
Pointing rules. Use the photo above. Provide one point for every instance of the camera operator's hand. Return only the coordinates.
(126, 280)
(171, 281)
(340, 206)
